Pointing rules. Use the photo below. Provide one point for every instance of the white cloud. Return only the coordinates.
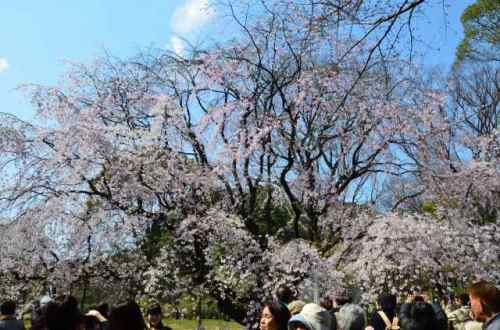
(189, 18)
(4, 65)
(177, 45)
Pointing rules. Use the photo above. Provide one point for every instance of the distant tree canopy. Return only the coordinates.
(481, 23)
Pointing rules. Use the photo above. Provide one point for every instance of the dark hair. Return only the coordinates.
(464, 299)
(284, 294)
(421, 316)
(69, 305)
(154, 309)
(489, 295)
(343, 300)
(90, 322)
(103, 308)
(48, 316)
(326, 302)
(280, 313)
(8, 307)
(59, 316)
(68, 315)
(343, 295)
(126, 316)
(387, 302)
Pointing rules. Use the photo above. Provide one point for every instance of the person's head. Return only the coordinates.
(69, 304)
(64, 314)
(45, 300)
(426, 293)
(463, 299)
(58, 316)
(154, 314)
(49, 315)
(326, 302)
(421, 315)
(342, 296)
(96, 314)
(484, 300)
(80, 323)
(274, 316)
(126, 316)
(68, 314)
(351, 317)
(103, 309)
(8, 308)
(296, 306)
(284, 294)
(91, 322)
(421, 294)
(387, 302)
(311, 317)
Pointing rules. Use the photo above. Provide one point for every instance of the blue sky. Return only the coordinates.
(37, 36)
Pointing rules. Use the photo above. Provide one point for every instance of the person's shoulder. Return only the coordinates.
(351, 309)
(405, 306)
(357, 308)
(473, 325)
(19, 324)
(376, 320)
(494, 324)
(11, 324)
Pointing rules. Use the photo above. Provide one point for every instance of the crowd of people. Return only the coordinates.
(477, 309)
(63, 313)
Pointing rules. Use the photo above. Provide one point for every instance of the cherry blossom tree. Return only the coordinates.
(455, 163)
(383, 255)
(229, 170)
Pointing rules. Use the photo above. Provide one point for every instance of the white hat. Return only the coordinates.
(45, 300)
(96, 314)
(313, 317)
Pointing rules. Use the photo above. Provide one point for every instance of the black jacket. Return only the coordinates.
(420, 316)
(376, 320)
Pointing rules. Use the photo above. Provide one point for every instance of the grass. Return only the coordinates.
(184, 324)
(208, 324)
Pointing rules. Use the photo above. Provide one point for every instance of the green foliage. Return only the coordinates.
(429, 207)
(270, 218)
(208, 324)
(185, 308)
(158, 235)
(481, 23)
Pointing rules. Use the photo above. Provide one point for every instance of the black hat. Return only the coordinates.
(154, 309)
